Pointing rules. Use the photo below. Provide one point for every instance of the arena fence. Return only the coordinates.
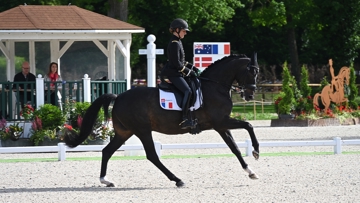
(61, 148)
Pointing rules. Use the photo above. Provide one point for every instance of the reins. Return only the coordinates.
(232, 87)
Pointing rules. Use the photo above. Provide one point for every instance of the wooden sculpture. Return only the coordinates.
(334, 92)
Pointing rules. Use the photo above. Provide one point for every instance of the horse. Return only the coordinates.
(327, 95)
(137, 112)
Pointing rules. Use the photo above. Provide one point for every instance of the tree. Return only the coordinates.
(287, 16)
(333, 32)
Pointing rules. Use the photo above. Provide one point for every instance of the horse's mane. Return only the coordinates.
(222, 60)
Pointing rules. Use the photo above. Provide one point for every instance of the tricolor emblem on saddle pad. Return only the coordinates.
(168, 101)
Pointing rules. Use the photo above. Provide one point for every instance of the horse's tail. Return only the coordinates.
(71, 138)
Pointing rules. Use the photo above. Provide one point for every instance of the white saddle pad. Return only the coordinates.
(168, 101)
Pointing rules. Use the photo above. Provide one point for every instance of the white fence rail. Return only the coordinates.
(61, 148)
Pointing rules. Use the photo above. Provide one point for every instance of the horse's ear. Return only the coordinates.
(254, 60)
(254, 63)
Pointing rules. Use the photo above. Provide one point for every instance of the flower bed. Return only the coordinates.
(314, 122)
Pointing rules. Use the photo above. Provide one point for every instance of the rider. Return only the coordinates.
(177, 68)
(334, 82)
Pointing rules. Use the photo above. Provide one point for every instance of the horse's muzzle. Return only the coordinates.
(249, 92)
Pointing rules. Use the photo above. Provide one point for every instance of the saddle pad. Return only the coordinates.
(168, 101)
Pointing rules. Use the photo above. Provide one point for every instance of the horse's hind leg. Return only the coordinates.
(107, 152)
(148, 143)
(229, 140)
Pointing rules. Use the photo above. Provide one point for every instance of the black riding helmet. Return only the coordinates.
(179, 23)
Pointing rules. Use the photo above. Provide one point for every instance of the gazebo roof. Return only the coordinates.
(39, 17)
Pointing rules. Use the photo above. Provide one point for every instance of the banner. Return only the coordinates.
(206, 53)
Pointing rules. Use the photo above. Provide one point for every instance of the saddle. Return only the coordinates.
(171, 98)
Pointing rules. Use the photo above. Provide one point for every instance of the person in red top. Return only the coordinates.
(52, 76)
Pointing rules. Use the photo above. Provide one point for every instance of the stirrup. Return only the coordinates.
(186, 123)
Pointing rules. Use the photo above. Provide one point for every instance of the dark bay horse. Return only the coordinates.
(138, 112)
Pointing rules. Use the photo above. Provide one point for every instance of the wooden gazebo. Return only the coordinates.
(30, 23)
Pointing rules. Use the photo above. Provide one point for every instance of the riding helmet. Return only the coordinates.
(179, 23)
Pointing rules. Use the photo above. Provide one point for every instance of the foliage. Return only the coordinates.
(27, 112)
(353, 88)
(40, 135)
(304, 102)
(50, 115)
(285, 102)
(3, 61)
(304, 83)
(76, 113)
(12, 132)
(45, 124)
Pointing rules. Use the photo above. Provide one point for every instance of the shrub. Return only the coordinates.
(287, 102)
(353, 89)
(50, 115)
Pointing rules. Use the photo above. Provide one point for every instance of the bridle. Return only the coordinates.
(231, 86)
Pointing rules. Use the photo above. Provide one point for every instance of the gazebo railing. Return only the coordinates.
(10, 106)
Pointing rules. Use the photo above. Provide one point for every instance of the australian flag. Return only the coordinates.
(206, 49)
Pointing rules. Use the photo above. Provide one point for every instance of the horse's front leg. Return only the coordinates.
(229, 140)
(230, 123)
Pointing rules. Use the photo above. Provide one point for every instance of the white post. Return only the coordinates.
(158, 148)
(151, 62)
(62, 151)
(133, 140)
(337, 147)
(248, 147)
(87, 91)
(39, 91)
(151, 51)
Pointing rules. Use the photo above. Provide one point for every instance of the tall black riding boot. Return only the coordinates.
(186, 123)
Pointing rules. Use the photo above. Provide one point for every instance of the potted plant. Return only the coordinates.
(10, 134)
(27, 112)
(102, 131)
(45, 125)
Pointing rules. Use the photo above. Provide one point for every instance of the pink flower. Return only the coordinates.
(3, 123)
(79, 121)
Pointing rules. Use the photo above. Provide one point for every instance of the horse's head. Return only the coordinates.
(234, 67)
(247, 79)
(346, 74)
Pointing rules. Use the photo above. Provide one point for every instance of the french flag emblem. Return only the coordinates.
(163, 103)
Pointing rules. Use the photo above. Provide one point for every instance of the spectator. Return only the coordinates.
(53, 76)
(26, 76)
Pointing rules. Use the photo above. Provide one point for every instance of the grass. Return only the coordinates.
(265, 112)
(204, 156)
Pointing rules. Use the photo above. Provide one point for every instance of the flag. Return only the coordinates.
(203, 61)
(216, 48)
(163, 103)
(168, 102)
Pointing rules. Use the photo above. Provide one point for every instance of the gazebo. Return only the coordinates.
(55, 24)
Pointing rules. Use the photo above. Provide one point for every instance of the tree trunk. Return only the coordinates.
(293, 51)
(118, 9)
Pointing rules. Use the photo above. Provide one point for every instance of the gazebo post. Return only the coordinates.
(55, 53)
(32, 57)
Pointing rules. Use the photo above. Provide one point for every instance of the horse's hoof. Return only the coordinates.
(180, 184)
(103, 180)
(110, 185)
(253, 176)
(256, 155)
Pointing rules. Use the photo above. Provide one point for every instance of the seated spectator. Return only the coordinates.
(24, 75)
(53, 76)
